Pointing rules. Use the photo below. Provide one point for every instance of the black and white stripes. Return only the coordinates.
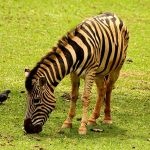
(97, 46)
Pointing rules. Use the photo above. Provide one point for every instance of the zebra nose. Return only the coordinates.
(30, 128)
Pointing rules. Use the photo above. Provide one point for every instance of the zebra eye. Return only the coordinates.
(36, 100)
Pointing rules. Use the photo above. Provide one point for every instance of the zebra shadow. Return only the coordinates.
(98, 131)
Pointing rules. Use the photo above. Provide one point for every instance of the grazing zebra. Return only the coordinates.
(95, 50)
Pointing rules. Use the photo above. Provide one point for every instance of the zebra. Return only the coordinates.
(94, 50)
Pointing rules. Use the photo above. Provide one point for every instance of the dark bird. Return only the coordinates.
(4, 95)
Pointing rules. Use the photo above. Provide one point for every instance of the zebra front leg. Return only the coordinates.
(75, 81)
(101, 90)
(85, 102)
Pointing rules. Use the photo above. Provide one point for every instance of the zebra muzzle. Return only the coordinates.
(30, 128)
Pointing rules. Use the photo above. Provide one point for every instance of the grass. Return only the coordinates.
(28, 29)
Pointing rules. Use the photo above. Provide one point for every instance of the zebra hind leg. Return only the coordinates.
(107, 99)
(110, 85)
(75, 81)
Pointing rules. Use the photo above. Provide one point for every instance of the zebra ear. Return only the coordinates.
(42, 81)
(27, 72)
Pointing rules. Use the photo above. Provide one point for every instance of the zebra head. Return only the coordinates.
(40, 102)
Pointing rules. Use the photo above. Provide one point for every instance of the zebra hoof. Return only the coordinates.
(107, 121)
(67, 125)
(91, 122)
(82, 131)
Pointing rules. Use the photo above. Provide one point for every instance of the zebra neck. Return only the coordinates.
(62, 60)
(55, 67)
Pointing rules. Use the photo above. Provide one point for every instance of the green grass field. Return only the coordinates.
(28, 30)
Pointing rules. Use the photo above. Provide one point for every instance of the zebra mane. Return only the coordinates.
(61, 43)
(64, 40)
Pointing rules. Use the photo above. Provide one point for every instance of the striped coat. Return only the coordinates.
(96, 48)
